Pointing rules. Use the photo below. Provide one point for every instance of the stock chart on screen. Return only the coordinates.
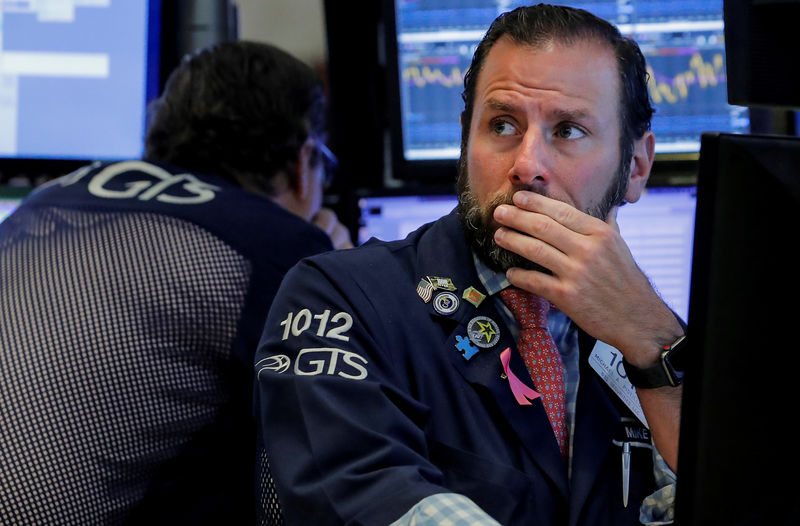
(683, 43)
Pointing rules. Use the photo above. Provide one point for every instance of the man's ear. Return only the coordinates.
(299, 174)
(641, 165)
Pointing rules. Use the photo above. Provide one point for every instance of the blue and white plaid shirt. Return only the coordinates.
(456, 510)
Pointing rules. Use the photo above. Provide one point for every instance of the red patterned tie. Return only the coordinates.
(540, 355)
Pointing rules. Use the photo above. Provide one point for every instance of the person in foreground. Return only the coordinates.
(133, 294)
(402, 382)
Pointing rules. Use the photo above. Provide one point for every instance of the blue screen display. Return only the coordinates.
(683, 42)
(75, 78)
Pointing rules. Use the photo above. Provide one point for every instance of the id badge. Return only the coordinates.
(607, 362)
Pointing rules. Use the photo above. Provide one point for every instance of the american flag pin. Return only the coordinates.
(425, 290)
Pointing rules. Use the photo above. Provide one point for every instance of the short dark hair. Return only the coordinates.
(542, 24)
(239, 109)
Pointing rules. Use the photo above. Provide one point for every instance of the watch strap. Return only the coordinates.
(661, 374)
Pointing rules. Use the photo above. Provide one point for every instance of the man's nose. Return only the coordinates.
(530, 166)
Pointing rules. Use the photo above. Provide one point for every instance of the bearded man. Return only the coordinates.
(401, 382)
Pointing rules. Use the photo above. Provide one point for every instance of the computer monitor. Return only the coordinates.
(658, 228)
(389, 216)
(737, 463)
(431, 43)
(761, 39)
(76, 76)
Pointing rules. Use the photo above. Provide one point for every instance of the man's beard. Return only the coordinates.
(477, 220)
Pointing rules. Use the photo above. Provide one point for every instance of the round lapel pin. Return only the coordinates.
(445, 303)
(483, 331)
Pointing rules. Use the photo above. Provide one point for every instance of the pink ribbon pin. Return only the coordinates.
(522, 392)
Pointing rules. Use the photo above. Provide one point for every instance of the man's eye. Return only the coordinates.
(568, 131)
(503, 128)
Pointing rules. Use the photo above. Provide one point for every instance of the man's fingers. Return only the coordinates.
(562, 213)
(530, 248)
(327, 220)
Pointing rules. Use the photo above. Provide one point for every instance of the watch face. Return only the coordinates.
(676, 377)
(676, 357)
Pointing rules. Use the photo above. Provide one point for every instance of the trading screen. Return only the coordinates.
(683, 42)
(73, 78)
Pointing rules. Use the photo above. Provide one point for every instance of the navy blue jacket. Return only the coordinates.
(368, 404)
(132, 299)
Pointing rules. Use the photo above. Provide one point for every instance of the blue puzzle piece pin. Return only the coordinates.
(466, 347)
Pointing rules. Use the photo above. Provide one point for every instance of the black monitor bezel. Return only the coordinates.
(741, 251)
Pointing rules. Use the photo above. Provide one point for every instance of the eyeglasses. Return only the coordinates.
(330, 163)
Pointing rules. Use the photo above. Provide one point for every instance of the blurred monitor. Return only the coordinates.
(658, 228)
(433, 41)
(76, 76)
(390, 217)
